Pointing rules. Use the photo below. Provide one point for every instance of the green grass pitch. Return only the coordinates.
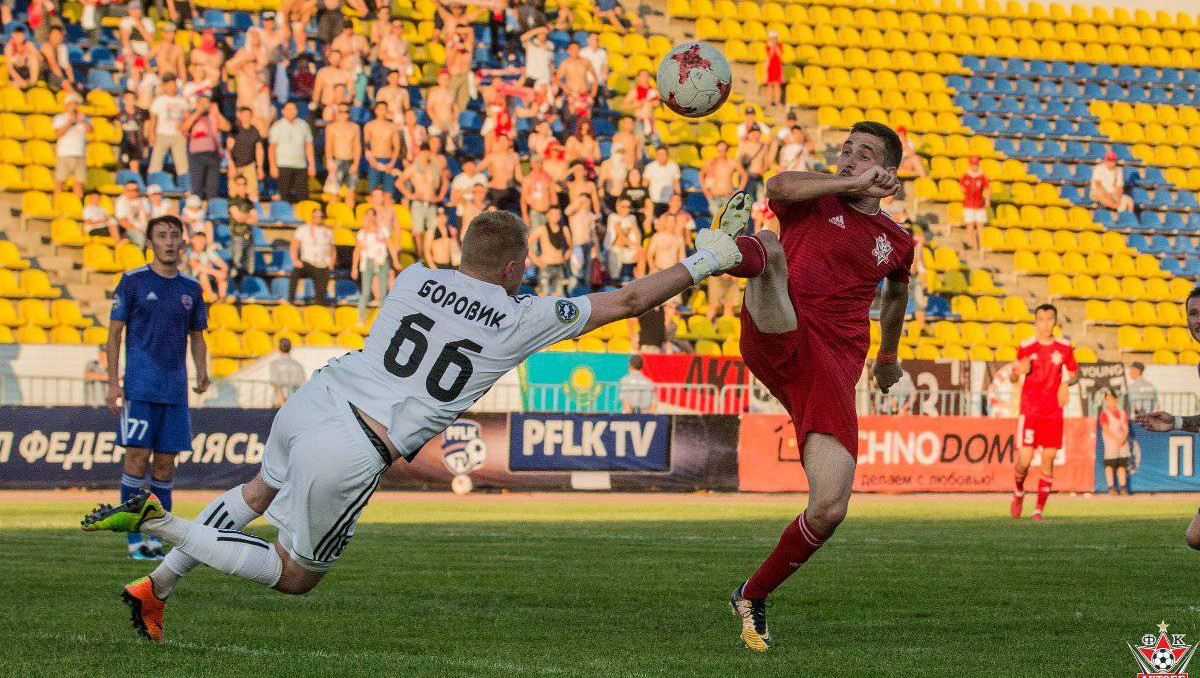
(603, 585)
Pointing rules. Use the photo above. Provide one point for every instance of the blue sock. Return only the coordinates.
(131, 485)
(162, 490)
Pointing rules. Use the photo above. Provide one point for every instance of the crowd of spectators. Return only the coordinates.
(317, 101)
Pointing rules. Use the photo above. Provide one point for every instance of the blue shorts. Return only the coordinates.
(155, 426)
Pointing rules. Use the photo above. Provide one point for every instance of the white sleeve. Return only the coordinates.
(548, 320)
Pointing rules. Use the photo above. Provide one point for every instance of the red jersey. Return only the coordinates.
(972, 187)
(1039, 393)
(836, 258)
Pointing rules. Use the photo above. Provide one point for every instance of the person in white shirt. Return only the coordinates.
(662, 176)
(133, 214)
(1108, 185)
(441, 340)
(167, 112)
(463, 183)
(206, 266)
(71, 127)
(624, 241)
(97, 220)
(313, 255)
(137, 31)
(373, 251)
(159, 206)
(750, 122)
(539, 56)
(637, 391)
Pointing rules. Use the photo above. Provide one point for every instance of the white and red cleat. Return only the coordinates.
(1037, 516)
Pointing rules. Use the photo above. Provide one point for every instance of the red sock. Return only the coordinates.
(1044, 485)
(797, 544)
(1018, 486)
(754, 258)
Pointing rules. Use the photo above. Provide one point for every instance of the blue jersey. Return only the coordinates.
(158, 313)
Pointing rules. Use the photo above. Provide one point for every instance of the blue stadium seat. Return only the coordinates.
(279, 289)
(1124, 153)
(472, 146)
(280, 212)
(1095, 151)
(1061, 69)
(1059, 172)
(1054, 107)
(1127, 73)
(1171, 265)
(1101, 72)
(1193, 223)
(696, 204)
(1174, 221)
(1105, 218)
(102, 79)
(470, 121)
(1171, 76)
(1150, 221)
(1128, 220)
(1093, 90)
(1027, 148)
(937, 306)
(1191, 267)
(1007, 87)
(988, 104)
(345, 290)
(689, 179)
(1162, 198)
(959, 84)
(971, 63)
(1140, 242)
(1040, 127)
(1063, 128)
(214, 19)
(218, 209)
(1047, 88)
(164, 181)
(1052, 148)
(1158, 95)
(1072, 193)
(1185, 200)
(1070, 90)
(254, 287)
(1006, 146)
(1017, 67)
(1083, 172)
(1079, 109)
(992, 64)
(1140, 195)
(1039, 69)
(1022, 87)
(1158, 244)
(993, 124)
(1038, 169)
(1083, 70)
(1087, 128)
(221, 234)
(125, 176)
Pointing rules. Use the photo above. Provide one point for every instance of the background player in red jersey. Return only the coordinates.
(1041, 361)
(806, 331)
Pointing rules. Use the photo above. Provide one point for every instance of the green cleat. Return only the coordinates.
(125, 517)
(734, 217)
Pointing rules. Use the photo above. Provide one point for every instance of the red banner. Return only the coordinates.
(915, 454)
(696, 372)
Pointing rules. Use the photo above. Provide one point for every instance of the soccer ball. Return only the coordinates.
(1162, 659)
(694, 79)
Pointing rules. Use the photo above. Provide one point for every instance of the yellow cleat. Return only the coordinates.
(734, 217)
(753, 612)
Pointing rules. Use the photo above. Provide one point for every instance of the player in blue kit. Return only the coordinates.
(158, 309)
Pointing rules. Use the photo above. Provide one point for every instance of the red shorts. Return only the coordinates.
(812, 372)
(1040, 431)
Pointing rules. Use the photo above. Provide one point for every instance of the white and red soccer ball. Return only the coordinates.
(694, 79)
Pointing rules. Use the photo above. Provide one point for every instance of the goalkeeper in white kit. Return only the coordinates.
(441, 340)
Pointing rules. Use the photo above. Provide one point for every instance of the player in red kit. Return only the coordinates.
(1041, 360)
(806, 331)
(977, 199)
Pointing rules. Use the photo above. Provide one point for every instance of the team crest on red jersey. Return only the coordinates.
(1163, 655)
(1056, 358)
(883, 250)
(838, 221)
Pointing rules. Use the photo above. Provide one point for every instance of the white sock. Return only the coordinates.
(229, 551)
(229, 512)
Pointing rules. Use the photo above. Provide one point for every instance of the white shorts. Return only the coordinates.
(325, 469)
(975, 215)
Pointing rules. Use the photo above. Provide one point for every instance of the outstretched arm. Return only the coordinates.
(801, 186)
(1164, 421)
(715, 252)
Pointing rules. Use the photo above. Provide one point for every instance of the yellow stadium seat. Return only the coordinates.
(223, 367)
(225, 316)
(318, 339)
(564, 346)
(592, 345)
(257, 316)
(1006, 353)
(1129, 338)
(224, 343)
(350, 339)
(926, 352)
(1120, 311)
(35, 312)
(287, 317)
(981, 282)
(94, 335)
(989, 308)
(64, 334)
(10, 257)
(8, 314)
(1015, 309)
(319, 319)
(257, 343)
(1096, 311)
(32, 334)
(66, 313)
(36, 283)
(1153, 339)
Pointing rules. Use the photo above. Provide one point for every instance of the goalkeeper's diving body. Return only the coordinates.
(442, 339)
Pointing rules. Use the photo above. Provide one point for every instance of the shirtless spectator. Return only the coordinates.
(912, 163)
(441, 243)
(382, 149)
(423, 185)
(207, 267)
(393, 51)
(578, 81)
(720, 178)
(166, 54)
(395, 95)
(471, 204)
(611, 12)
(503, 167)
(611, 178)
(597, 56)
(460, 50)
(796, 152)
(328, 78)
(754, 154)
(442, 109)
(582, 145)
(208, 56)
(581, 220)
(248, 67)
(57, 63)
(538, 193)
(676, 219)
(24, 63)
(549, 245)
(142, 83)
(666, 248)
(540, 138)
(354, 48)
(276, 38)
(343, 152)
(642, 101)
(413, 135)
(298, 14)
(197, 83)
(556, 161)
(628, 143)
